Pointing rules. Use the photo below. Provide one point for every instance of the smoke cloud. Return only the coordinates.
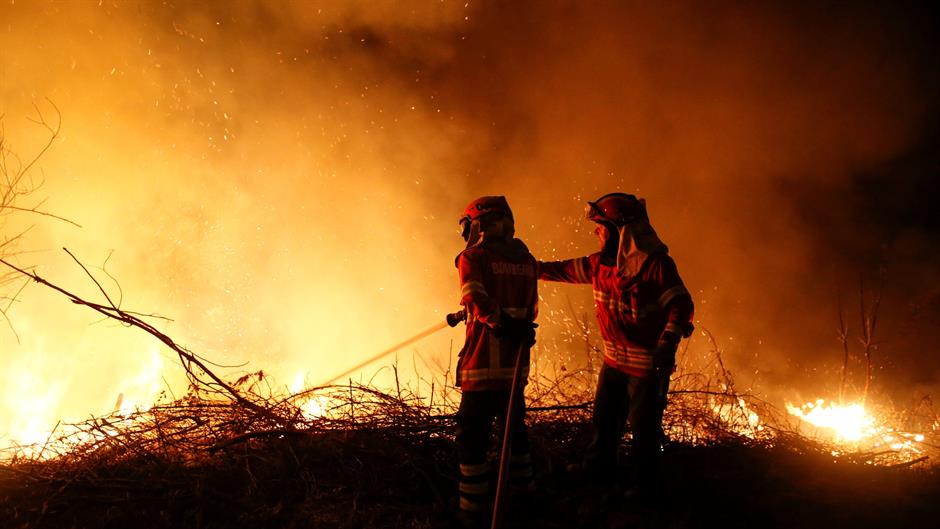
(781, 149)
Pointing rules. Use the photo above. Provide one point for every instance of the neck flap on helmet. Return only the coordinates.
(637, 239)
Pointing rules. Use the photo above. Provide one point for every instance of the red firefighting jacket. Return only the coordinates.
(633, 313)
(495, 282)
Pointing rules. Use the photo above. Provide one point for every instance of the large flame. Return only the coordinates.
(853, 427)
(848, 423)
(248, 201)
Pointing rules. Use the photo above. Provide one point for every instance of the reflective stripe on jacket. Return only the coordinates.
(494, 286)
(632, 313)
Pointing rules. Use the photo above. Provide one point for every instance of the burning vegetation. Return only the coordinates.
(282, 180)
(363, 455)
(244, 453)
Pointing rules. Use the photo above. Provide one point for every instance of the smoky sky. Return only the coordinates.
(284, 178)
(788, 152)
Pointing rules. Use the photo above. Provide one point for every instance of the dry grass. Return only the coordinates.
(373, 459)
(235, 454)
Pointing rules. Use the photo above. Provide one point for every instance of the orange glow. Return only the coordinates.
(849, 423)
(740, 418)
(33, 402)
(137, 393)
(312, 407)
(851, 426)
(282, 183)
(270, 215)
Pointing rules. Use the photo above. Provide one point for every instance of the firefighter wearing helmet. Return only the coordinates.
(643, 311)
(499, 293)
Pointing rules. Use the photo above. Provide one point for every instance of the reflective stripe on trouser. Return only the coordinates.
(475, 420)
(475, 488)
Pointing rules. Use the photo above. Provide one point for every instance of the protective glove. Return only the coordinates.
(515, 329)
(664, 356)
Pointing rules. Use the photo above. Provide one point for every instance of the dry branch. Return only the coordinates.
(869, 316)
(844, 339)
(361, 439)
(193, 365)
(16, 185)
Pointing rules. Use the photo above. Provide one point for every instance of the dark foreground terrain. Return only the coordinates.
(383, 479)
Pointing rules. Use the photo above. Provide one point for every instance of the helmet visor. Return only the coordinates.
(594, 213)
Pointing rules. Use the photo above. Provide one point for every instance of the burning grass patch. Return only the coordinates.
(383, 460)
(232, 455)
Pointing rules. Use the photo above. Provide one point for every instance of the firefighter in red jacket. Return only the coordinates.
(643, 311)
(498, 291)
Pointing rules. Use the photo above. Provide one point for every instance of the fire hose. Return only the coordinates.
(451, 320)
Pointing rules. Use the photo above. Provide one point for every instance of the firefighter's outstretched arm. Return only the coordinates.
(568, 271)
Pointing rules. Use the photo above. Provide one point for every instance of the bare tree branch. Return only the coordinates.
(869, 316)
(43, 213)
(843, 337)
(194, 367)
(16, 184)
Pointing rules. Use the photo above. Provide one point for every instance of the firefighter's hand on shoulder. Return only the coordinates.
(515, 329)
(664, 356)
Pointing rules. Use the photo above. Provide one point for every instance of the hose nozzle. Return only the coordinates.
(456, 317)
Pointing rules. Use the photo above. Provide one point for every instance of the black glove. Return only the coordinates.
(664, 356)
(515, 329)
